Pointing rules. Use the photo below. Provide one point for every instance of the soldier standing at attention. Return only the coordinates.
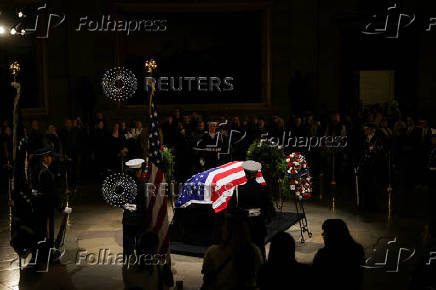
(45, 200)
(254, 202)
(134, 213)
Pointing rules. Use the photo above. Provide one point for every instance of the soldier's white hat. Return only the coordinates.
(251, 166)
(135, 163)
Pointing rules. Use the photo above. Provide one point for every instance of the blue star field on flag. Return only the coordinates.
(193, 189)
(154, 153)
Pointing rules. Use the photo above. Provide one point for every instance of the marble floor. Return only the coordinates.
(96, 225)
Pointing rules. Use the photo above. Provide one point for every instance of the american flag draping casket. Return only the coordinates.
(214, 186)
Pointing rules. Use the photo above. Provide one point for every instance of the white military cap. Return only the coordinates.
(135, 163)
(251, 166)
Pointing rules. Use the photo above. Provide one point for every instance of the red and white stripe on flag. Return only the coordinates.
(157, 207)
(224, 180)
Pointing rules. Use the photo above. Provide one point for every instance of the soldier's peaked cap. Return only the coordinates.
(135, 163)
(251, 166)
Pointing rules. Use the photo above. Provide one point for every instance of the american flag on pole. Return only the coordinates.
(157, 211)
(215, 186)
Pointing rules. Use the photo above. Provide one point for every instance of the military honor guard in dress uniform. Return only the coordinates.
(44, 200)
(134, 213)
(253, 201)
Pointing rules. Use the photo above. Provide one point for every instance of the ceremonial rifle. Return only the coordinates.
(60, 238)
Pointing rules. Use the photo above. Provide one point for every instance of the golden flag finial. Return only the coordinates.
(150, 65)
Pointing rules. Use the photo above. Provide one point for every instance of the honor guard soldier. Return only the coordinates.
(253, 201)
(44, 200)
(134, 213)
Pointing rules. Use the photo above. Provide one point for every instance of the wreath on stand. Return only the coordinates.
(299, 176)
(274, 169)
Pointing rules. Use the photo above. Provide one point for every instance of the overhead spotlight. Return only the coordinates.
(13, 31)
(2, 30)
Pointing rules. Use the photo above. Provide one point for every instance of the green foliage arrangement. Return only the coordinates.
(168, 163)
(274, 169)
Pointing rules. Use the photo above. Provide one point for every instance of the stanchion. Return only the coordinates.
(356, 176)
(302, 219)
(389, 189)
(333, 166)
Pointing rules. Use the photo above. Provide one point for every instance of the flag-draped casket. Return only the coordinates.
(214, 186)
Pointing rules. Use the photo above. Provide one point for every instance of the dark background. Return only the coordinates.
(316, 49)
(200, 44)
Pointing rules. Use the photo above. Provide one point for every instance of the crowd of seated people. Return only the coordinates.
(237, 263)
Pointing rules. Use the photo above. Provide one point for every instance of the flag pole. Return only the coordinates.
(150, 66)
(15, 69)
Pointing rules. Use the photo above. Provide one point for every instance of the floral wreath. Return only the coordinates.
(299, 176)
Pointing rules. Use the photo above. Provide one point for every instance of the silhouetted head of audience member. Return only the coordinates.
(212, 126)
(282, 249)
(336, 234)
(99, 116)
(429, 236)
(297, 122)
(410, 122)
(68, 123)
(236, 235)
(7, 131)
(51, 130)
(201, 127)
(138, 125)
(35, 125)
(177, 113)
(433, 136)
(186, 119)
(100, 124)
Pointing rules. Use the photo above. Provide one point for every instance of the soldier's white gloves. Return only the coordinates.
(202, 161)
(68, 210)
(130, 207)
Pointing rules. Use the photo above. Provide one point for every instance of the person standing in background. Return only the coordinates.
(116, 144)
